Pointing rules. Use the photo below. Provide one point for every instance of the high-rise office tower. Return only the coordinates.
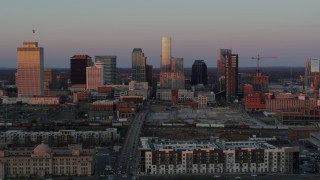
(149, 74)
(223, 53)
(78, 65)
(177, 73)
(308, 80)
(311, 77)
(165, 64)
(109, 68)
(199, 73)
(94, 76)
(231, 70)
(47, 79)
(29, 76)
(138, 65)
(307, 74)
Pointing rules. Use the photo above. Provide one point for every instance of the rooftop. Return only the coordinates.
(157, 144)
(247, 145)
(137, 50)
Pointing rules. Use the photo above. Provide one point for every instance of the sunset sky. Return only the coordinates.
(288, 29)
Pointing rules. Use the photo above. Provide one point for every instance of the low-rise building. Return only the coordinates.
(126, 110)
(314, 140)
(102, 110)
(299, 133)
(80, 97)
(289, 101)
(255, 102)
(119, 90)
(159, 156)
(202, 101)
(211, 97)
(183, 95)
(32, 100)
(164, 94)
(134, 85)
(145, 93)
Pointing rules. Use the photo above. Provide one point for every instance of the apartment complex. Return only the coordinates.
(159, 156)
(231, 76)
(20, 138)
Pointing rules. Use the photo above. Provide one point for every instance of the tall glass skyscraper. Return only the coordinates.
(177, 73)
(221, 64)
(29, 77)
(199, 73)
(138, 65)
(109, 68)
(165, 64)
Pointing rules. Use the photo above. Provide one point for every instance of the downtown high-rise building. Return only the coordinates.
(94, 76)
(138, 70)
(231, 76)
(149, 74)
(29, 77)
(177, 73)
(311, 77)
(109, 68)
(171, 68)
(78, 65)
(199, 73)
(165, 63)
(47, 79)
(221, 67)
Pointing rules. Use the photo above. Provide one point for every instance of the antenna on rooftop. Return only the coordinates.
(34, 34)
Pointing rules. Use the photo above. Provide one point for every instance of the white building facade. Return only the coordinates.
(169, 157)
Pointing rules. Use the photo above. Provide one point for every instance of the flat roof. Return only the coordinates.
(248, 144)
(157, 144)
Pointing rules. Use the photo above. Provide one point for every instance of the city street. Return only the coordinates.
(102, 159)
(127, 162)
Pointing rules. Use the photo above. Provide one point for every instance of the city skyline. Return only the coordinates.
(286, 29)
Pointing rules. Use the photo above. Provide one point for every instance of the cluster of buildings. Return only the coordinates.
(171, 68)
(96, 78)
(290, 108)
(161, 156)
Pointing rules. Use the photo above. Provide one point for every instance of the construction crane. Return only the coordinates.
(258, 59)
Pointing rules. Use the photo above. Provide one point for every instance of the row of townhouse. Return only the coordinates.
(13, 138)
(187, 157)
